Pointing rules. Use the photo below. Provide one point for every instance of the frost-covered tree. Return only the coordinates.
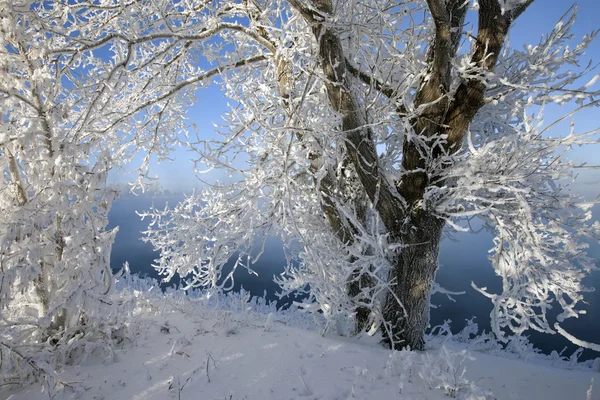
(56, 285)
(357, 132)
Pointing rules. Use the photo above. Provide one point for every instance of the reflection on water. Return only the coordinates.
(463, 258)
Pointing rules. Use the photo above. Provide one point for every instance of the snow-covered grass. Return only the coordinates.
(231, 348)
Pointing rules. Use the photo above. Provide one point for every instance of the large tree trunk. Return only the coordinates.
(406, 313)
(400, 204)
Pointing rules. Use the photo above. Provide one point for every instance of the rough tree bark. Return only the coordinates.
(405, 217)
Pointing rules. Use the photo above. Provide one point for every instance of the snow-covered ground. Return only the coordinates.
(182, 348)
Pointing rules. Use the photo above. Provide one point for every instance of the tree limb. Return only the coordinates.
(383, 88)
(206, 75)
(359, 138)
(432, 96)
(469, 97)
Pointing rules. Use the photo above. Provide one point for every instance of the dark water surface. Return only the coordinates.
(462, 259)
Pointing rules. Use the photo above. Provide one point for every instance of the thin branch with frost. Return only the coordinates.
(574, 340)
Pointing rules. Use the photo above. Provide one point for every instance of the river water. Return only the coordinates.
(463, 258)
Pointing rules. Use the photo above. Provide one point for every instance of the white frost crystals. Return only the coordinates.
(56, 285)
(290, 162)
(327, 106)
(509, 5)
(538, 251)
(510, 172)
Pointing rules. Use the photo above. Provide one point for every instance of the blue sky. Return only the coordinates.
(540, 18)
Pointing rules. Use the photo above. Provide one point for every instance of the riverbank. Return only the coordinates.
(192, 348)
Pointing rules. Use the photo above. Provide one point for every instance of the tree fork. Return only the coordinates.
(415, 264)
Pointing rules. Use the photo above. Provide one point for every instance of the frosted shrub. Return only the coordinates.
(446, 370)
(401, 365)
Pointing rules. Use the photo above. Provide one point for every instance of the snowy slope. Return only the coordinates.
(183, 349)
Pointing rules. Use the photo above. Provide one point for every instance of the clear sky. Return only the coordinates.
(540, 18)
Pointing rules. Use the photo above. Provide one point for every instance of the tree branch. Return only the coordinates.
(206, 75)
(359, 138)
(432, 96)
(448, 17)
(370, 80)
(469, 97)
(517, 11)
(203, 34)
